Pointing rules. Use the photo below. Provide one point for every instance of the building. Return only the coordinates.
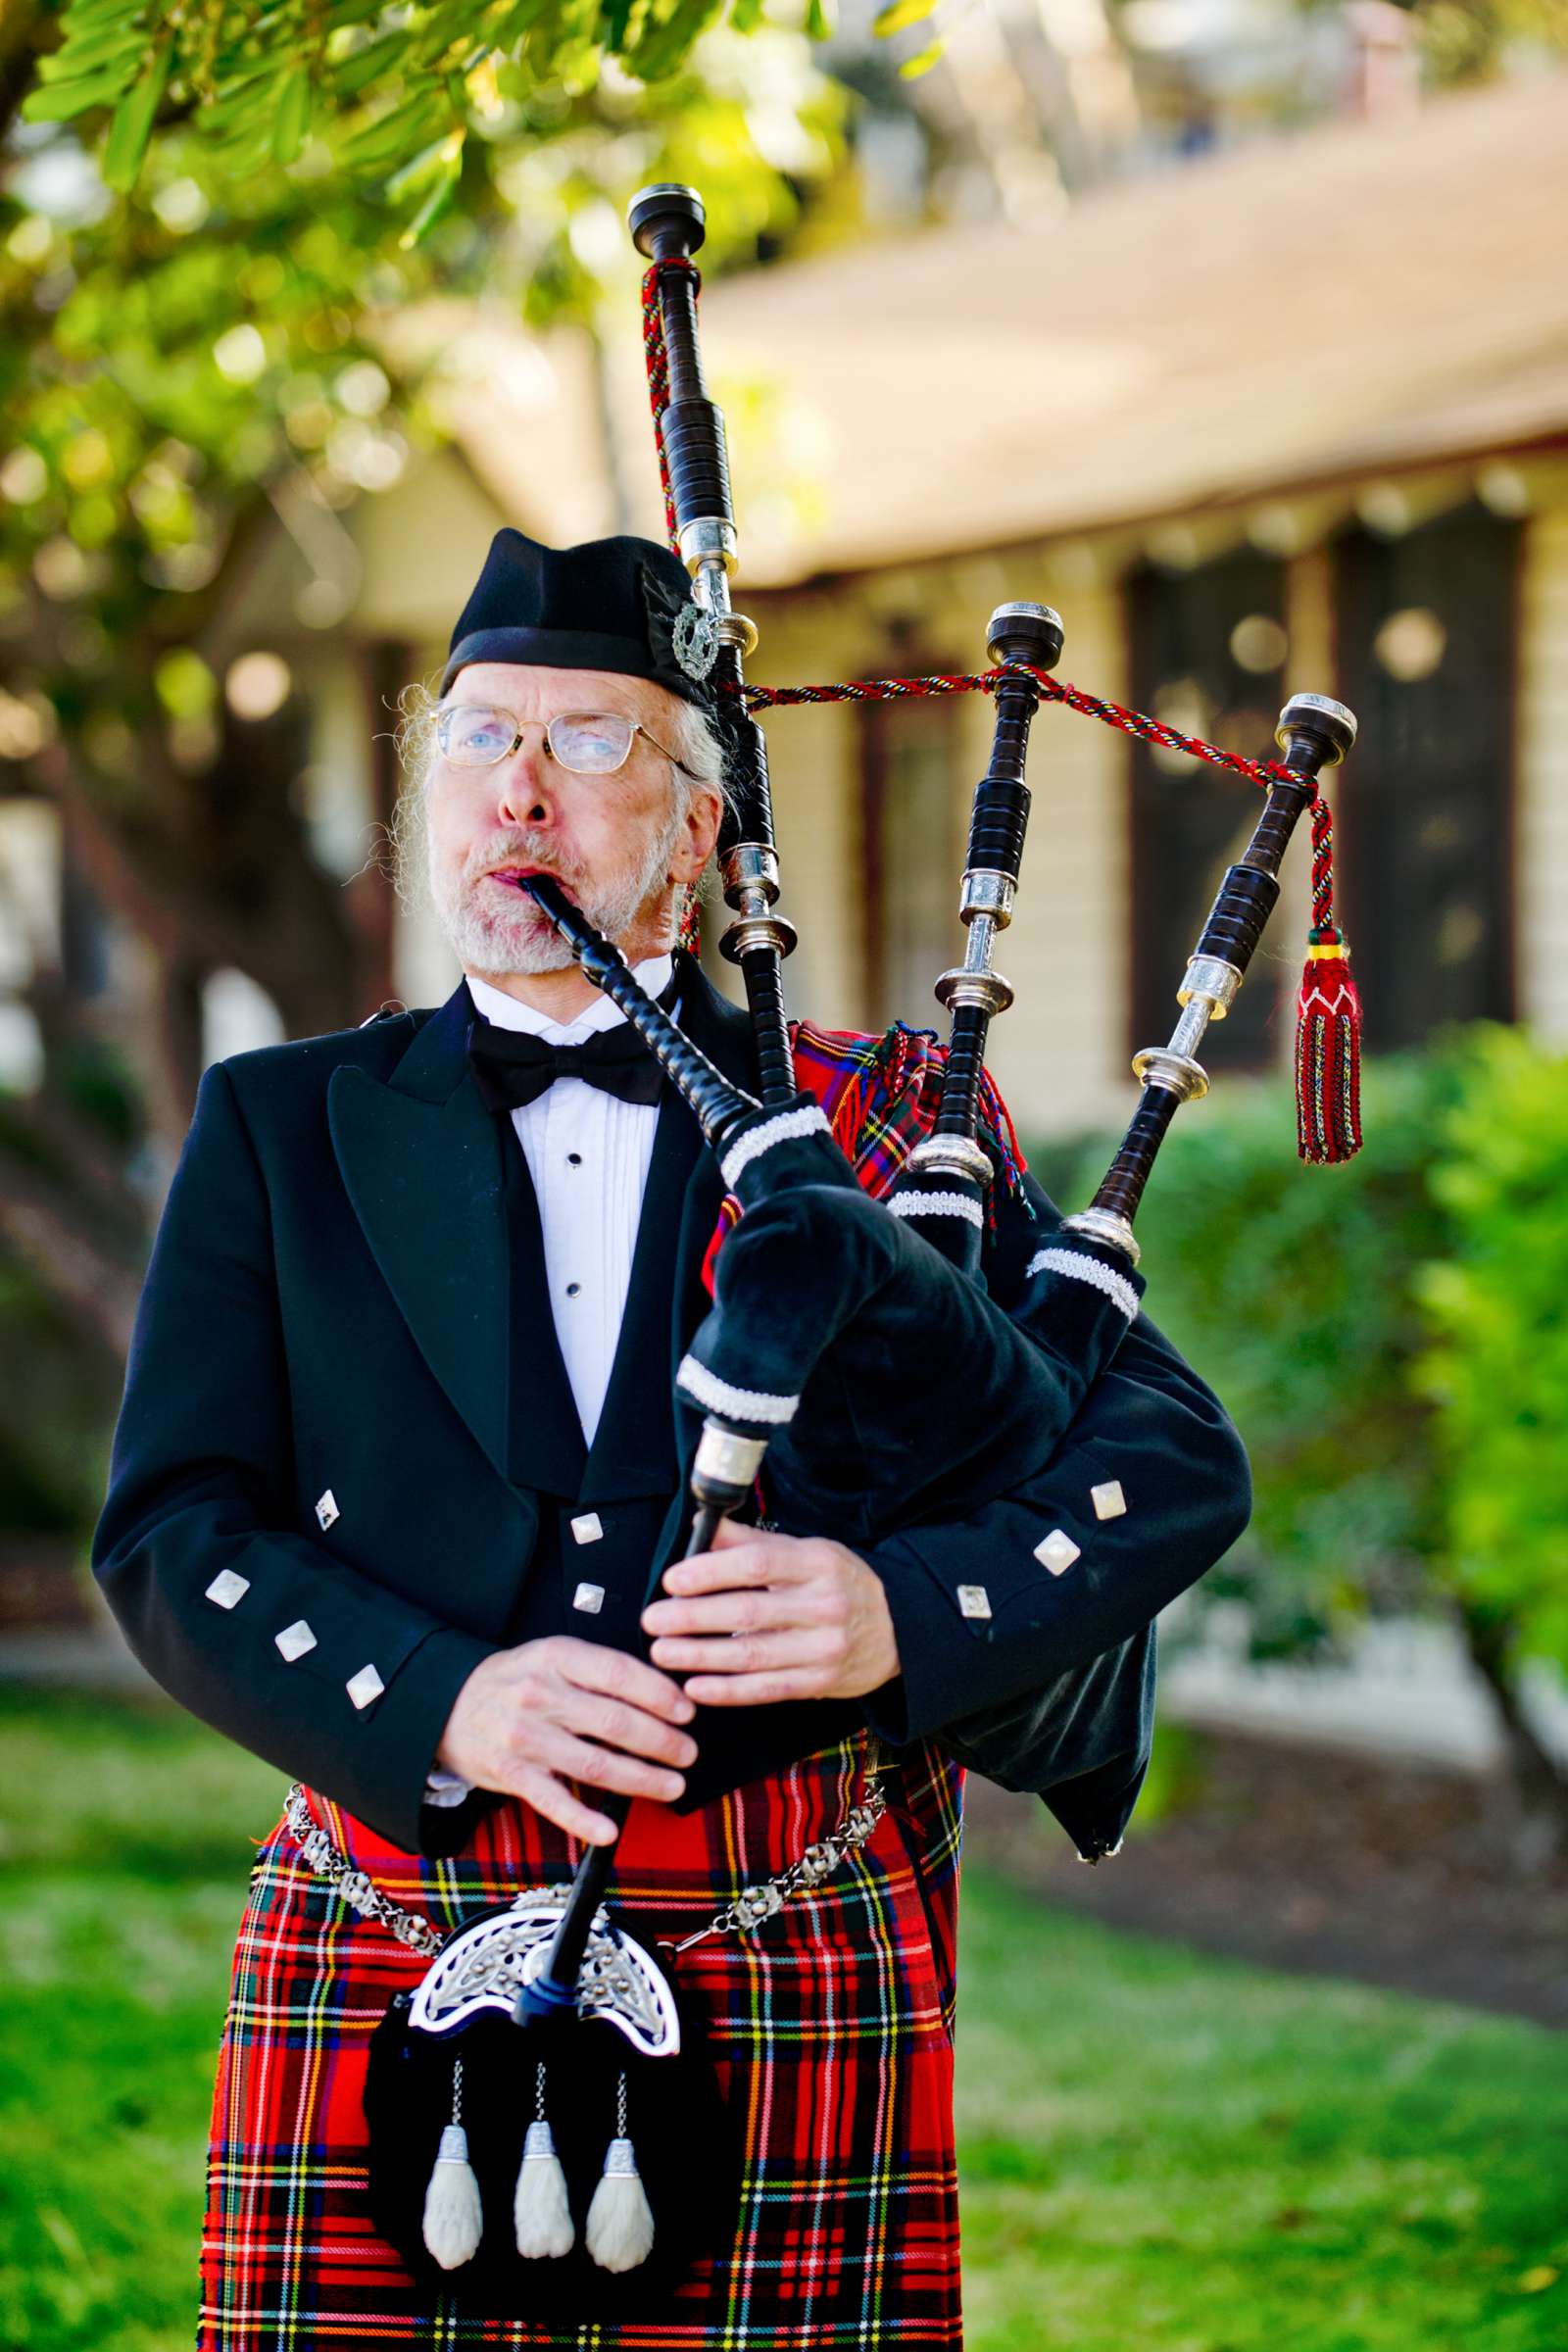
(1290, 417)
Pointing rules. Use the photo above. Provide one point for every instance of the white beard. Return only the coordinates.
(494, 929)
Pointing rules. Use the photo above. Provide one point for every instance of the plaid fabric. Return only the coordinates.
(882, 1096)
(831, 2026)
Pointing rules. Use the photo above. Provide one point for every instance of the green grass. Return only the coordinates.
(1160, 2152)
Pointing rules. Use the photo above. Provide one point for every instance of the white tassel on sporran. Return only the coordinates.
(454, 2219)
(540, 2210)
(621, 2220)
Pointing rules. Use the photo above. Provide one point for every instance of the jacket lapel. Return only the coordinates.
(421, 1161)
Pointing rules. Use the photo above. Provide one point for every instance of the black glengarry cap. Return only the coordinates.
(609, 603)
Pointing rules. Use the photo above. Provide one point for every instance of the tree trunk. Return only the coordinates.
(1539, 1779)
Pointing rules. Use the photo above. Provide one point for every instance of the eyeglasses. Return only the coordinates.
(591, 743)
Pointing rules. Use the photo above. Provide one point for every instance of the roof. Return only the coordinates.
(1361, 296)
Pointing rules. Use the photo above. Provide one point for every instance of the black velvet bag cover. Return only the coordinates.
(686, 2144)
(917, 1395)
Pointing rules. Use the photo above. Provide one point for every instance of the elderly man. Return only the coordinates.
(394, 1457)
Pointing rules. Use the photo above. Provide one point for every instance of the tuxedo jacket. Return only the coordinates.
(348, 1466)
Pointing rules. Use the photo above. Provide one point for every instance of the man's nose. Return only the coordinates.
(525, 787)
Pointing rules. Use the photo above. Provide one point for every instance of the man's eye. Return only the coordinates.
(479, 735)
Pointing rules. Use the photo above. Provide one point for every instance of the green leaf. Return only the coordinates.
(900, 13)
(82, 14)
(356, 72)
(293, 117)
(922, 62)
(112, 54)
(444, 155)
(819, 21)
(434, 205)
(65, 100)
(133, 124)
(746, 15)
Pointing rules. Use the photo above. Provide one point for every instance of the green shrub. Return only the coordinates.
(1496, 1367)
(1292, 1291)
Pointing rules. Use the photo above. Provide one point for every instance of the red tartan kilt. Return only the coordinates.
(830, 2027)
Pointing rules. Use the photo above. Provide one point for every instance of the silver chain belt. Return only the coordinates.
(750, 1909)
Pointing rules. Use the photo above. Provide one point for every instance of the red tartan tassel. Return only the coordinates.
(1328, 1052)
(690, 934)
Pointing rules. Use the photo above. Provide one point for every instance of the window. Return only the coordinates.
(911, 797)
(1426, 627)
(1208, 650)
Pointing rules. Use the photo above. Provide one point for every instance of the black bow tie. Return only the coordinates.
(511, 1066)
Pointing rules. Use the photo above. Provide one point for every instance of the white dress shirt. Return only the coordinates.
(588, 1154)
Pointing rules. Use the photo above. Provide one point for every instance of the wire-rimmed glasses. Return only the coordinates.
(590, 743)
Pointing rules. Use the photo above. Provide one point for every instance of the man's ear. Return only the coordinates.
(699, 834)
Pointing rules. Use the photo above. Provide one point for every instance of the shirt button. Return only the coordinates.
(573, 1288)
(574, 1159)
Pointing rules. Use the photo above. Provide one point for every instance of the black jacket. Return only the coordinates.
(346, 1422)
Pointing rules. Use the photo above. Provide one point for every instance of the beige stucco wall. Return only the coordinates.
(1540, 856)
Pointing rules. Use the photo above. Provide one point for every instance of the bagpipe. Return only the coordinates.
(863, 1365)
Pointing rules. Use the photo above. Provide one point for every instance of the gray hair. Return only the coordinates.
(692, 736)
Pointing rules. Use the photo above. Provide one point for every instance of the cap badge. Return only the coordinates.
(696, 639)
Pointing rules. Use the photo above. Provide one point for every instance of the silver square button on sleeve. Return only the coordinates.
(295, 1640)
(590, 1597)
(226, 1588)
(365, 1685)
(1058, 1551)
(1109, 1500)
(327, 1509)
(975, 1600)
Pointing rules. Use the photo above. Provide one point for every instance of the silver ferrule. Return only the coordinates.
(748, 932)
(950, 1156)
(724, 1459)
(751, 875)
(987, 892)
(710, 541)
(979, 939)
(1188, 1034)
(1211, 977)
(1337, 717)
(710, 589)
(1104, 1225)
(1178, 1073)
(621, 2161)
(967, 986)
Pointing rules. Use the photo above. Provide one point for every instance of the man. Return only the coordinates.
(395, 1456)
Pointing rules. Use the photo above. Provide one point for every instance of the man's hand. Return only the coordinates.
(787, 1616)
(528, 1718)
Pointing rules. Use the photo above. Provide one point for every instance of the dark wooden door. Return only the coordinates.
(1208, 654)
(1427, 636)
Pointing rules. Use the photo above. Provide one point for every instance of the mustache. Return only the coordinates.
(520, 852)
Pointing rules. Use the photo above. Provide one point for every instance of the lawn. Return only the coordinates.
(1160, 2152)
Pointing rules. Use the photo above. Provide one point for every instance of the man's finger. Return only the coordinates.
(744, 1654)
(758, 1562)
(755, 1690)
(758, 1610)
(594, 1666)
